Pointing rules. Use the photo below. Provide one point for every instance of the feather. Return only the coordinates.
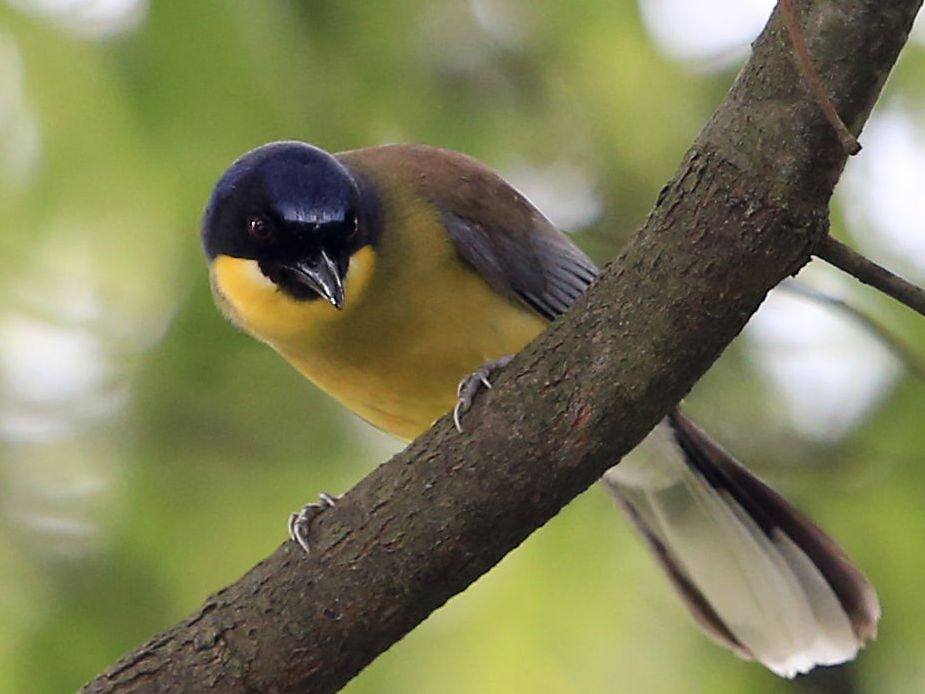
(756, 574)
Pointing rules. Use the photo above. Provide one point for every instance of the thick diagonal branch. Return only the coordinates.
(848, 141)
(746, 208)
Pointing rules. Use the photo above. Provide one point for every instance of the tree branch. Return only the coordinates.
(910, 359)
(848, 141)
(746, 209)
(867, 271)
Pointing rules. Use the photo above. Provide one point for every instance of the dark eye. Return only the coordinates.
(258, 228)
(353, 226)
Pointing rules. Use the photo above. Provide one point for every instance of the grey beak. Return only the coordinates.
(321, 275)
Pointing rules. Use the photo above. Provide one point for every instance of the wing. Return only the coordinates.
(494, 228)
(542, 268)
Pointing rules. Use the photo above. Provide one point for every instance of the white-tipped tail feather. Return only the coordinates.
(757, 575)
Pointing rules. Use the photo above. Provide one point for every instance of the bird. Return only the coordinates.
(398, 278)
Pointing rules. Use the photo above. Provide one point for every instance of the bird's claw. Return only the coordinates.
(470, 385)
(301, 521)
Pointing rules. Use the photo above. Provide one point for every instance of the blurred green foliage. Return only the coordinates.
(171, 464)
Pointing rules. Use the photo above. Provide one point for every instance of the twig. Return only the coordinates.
(867, 271)
(912, 361)
(848, 141)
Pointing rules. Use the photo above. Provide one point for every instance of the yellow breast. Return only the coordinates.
(416, 319)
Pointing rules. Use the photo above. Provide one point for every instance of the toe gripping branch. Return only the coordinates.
(471, 384)
(300, 523)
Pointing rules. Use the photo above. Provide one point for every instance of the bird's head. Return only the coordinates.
(292, 209)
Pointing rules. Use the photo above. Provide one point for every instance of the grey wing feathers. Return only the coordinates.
(542, 268)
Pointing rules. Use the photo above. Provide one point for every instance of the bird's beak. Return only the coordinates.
(321, 275)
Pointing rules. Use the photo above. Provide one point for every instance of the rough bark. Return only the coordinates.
(745, 210)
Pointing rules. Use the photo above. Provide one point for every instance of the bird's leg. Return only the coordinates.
(300, 523)
(472, 383)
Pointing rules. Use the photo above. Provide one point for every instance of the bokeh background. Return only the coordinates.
(150, 454)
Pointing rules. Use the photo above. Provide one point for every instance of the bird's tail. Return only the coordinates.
(757, 575)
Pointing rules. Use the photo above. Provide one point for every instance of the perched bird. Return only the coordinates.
(385, 275)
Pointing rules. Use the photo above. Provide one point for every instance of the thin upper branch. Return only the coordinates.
(849, 141)
(913, 361)
(867, 271)
(746, 208)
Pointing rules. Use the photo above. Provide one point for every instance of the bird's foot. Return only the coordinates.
(472, 383)
(300, 523)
